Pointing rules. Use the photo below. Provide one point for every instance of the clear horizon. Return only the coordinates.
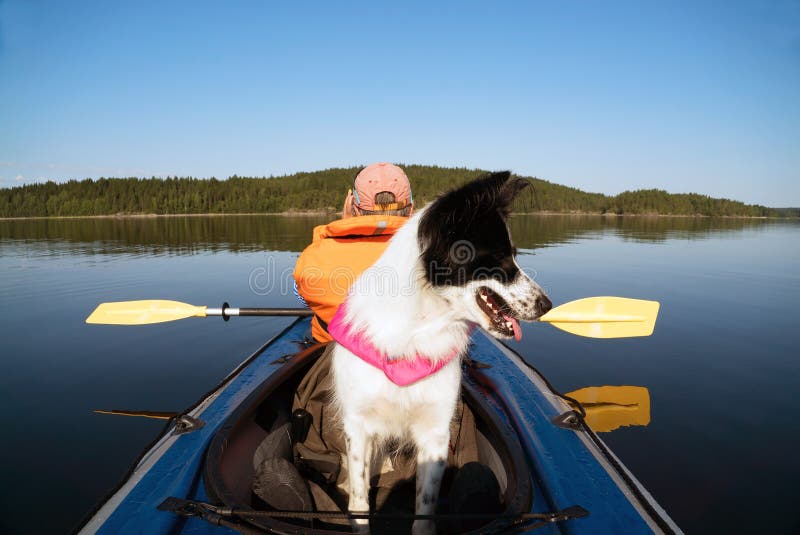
(688, 97)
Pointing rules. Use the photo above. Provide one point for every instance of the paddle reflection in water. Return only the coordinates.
(611, 407)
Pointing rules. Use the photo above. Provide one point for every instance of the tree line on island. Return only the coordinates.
(325, 191)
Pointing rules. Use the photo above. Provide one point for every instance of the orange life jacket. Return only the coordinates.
(339, 253)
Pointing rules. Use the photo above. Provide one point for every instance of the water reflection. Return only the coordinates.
(611, 407)
(535, 231)
(163, 235)
(194, 234)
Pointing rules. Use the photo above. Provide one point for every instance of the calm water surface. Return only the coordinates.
(722, 366)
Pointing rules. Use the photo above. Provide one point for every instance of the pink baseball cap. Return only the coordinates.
(378, 178)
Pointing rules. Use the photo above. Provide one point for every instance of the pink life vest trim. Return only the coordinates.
(401, 372)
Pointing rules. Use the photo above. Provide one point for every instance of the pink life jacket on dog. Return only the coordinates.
(401, 372)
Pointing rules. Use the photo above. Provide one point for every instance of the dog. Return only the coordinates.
(406, 323)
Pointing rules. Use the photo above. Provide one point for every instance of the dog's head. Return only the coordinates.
(469, 257)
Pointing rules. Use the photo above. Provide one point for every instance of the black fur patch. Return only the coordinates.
(463, 234)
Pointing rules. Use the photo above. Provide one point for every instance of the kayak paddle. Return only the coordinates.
(594, 317)
(159, 311)
(605, 317)
(611, 407)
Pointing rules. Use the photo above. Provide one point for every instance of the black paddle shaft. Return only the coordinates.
(274, 312)
(226, 311)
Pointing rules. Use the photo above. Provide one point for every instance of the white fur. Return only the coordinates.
(403, 315)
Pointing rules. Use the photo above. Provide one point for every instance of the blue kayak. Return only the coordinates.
(555, 475)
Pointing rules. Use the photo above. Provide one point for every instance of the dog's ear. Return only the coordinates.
(495, 191)
(509, 191)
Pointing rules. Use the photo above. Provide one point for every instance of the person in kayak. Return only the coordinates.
(379, 203)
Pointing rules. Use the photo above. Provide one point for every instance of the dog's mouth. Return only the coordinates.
(497, 310)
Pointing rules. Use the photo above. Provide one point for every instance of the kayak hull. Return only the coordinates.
(569, 465)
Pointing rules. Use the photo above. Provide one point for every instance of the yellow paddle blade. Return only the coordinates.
(611, 407)
(143, 312)
(605, 317)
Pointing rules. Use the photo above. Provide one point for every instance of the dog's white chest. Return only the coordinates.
(386, 409)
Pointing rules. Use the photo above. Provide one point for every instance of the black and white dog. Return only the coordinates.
(449, 268)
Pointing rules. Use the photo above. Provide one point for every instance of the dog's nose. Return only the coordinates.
(543, 304)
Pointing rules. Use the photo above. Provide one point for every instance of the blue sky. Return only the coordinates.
(604, 96)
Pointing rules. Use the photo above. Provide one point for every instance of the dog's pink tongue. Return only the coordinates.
(515, 326)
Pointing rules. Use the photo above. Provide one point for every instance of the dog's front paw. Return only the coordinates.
(423, 527)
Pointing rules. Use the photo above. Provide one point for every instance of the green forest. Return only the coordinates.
(325, 191)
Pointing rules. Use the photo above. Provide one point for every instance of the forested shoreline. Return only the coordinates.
(324, 191)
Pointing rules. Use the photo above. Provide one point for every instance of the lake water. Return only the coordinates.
(722, 367)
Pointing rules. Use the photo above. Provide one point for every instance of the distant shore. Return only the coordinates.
(317, 213)
(322, 192)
